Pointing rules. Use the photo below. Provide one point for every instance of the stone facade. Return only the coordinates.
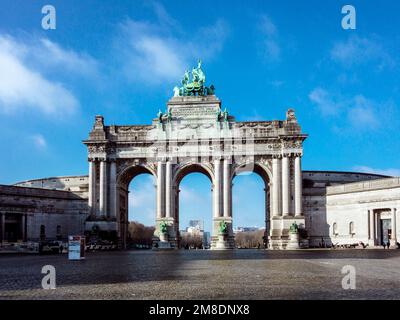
(315, 186)
(329, 198)
(194, 135)
(33, 213)
(366, 211)
(76, 184)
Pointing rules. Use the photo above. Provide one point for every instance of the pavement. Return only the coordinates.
(204, 274)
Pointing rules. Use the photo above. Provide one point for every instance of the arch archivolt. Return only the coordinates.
(127, 172)
(182, 170)
(263, 169)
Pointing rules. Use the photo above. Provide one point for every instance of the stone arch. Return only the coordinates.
(128, 173)
(123, 179)
(261, 169)
(264, 172)
(179, 174)
(192, 167)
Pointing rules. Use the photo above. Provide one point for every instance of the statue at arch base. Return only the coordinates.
(163, 243)
(294, 237)
(223, 232)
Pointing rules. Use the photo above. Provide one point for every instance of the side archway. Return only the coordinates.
(124, 178)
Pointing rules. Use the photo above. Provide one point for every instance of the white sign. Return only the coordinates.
(76, 247)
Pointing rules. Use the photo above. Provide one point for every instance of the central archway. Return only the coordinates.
(181, 173)
(265, 174)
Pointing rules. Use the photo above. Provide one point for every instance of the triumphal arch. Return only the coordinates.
(195, 134)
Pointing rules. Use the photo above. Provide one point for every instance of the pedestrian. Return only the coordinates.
(384, 245)
(388, 244)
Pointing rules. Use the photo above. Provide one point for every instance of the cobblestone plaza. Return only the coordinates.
(238, 274)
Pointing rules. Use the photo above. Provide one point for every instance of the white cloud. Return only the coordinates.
(325, 102)
(359, 111)
(386, 172)
(190, 195)
(269, 32)
(357, 50)
(159, 52)
(23, 87)
(39, 141)
(363, 113)
(51, 54)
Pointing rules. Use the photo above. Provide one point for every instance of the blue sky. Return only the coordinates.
(121, 59)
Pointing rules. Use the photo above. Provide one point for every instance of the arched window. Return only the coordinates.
(334, 229)
(351, 228)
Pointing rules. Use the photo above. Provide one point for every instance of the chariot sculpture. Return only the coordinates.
(194, 86)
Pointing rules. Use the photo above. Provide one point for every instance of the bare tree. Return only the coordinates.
(140, 234)
(249, 239)
(192, 240)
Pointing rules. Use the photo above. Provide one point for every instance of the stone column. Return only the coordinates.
(103, 188)
(3, 226)
(168, 190)
(377, 227)
(160, 189)
(217, 189)
(267, 202)
(298, 187)
(394, 229)
(176, 206)
(276, 186)
(227, 189)
(371, 227)
(285, 186)
(23, 227)
(92, 187)
(113, 189)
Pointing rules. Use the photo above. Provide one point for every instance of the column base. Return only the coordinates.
(170, 240)
(223, 242)
(287, 244)
(281, 239)
(393, 244)
(163, 243)
(228, 241)
(371, 243)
